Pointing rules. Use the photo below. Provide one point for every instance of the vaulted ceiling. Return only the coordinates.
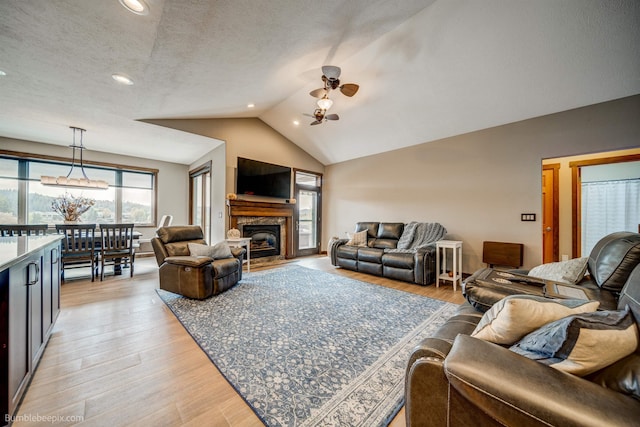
(427, 69)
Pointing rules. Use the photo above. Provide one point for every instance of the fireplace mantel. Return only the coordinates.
(249, 208)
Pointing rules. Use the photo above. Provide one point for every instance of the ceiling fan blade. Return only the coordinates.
(309, 115)
(331, 71)
(317, 122)
(349, 89)
(332, 117)
(318, 93)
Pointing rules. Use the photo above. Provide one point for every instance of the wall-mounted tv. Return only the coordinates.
(263, 179)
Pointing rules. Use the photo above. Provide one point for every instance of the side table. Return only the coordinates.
(240, 242)
(441, 269)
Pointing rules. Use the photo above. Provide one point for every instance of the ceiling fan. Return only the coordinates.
(331, 79)
(319, 114)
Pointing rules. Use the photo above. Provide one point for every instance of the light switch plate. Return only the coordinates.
(527, 217)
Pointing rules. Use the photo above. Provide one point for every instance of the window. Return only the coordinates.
(131, 196)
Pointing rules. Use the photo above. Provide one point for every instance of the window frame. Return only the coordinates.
(23, 178)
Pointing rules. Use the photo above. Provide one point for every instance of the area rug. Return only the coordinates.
(309, 348)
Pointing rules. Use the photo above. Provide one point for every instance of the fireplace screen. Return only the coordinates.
(265, 239)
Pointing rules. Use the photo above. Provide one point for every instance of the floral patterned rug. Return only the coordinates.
(309, 348)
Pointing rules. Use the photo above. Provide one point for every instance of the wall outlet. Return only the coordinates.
(565, 257)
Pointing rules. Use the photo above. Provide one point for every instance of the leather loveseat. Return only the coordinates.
(194, 277)
(453, 379)
(381, 256)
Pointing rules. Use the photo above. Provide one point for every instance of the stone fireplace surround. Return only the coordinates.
(243, 212)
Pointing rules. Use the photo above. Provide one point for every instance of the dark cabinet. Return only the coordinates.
(29, 306)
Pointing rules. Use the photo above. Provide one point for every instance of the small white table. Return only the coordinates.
(441, 270)
(240, 242)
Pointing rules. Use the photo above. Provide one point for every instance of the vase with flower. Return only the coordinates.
(70, 208)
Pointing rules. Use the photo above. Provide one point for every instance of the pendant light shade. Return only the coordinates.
(75, 182)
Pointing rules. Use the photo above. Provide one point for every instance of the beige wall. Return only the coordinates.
(244, 137)
(476, 184)
(172, 177)
(564, 190)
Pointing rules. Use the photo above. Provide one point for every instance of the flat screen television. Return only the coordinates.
(263, 179)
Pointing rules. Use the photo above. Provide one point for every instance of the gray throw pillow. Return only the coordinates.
(581, 344)
(218, 251)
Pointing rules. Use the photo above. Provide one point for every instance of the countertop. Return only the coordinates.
(15, 249)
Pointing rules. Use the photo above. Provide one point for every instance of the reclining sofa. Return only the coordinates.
(454, 379)
(196, 277)
(393, 250)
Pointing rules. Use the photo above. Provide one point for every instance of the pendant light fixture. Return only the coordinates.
(68, 181)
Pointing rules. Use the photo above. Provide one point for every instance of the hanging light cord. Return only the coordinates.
(81, 148)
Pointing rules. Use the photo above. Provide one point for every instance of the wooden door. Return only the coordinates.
(550, 231)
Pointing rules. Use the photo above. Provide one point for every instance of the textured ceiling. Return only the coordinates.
(427, 69)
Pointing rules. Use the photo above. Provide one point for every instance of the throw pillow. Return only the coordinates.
(582, 343)
(515, 316)
(358, 239)
(218, 251)
(571, 271)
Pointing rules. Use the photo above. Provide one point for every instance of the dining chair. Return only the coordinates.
(78, 247)
(117, 246)
(23, 229)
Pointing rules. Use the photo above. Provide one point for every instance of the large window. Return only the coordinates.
(131, 196)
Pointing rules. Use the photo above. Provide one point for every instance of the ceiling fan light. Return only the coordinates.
(139, 7)
(324, 103)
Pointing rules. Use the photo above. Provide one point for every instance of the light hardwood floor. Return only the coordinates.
(119, 357)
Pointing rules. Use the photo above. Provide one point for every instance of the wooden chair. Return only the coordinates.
(78, 247)
(23, 229)
(117, 246)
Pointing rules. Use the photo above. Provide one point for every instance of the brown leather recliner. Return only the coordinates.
(191, 276)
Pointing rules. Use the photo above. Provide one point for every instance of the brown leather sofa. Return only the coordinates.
(194, 277)
(381, 257)
(453, 379)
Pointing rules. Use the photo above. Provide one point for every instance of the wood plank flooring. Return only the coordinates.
(119, 357)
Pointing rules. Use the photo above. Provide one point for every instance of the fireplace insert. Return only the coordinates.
(265, 239)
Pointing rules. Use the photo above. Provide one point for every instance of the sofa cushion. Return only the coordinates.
(347, 252)
(404, 260)
(571, 271)
(390, 230)
(218, 251)
(358, 238)
(613, 258)
(582, 343)
(513, 317)
(370, 255)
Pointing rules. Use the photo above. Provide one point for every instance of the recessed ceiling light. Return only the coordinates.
(296, 122)
(251, 105)
(2, 73)
(122, 79)
(139, 7)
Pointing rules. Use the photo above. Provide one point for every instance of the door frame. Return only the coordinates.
(203, 169)
(318, 189)
(576, 199)
(554, 167)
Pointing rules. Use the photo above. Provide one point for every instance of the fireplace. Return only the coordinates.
(265, 239)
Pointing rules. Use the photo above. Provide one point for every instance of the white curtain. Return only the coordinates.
(607, 207)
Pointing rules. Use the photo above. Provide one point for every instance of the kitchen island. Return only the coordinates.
(29, 307)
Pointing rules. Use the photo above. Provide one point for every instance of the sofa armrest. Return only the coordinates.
(426, 386)
(189, 261)
(238, 252)
(333, 249)
(515, 390)
(425, 264)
